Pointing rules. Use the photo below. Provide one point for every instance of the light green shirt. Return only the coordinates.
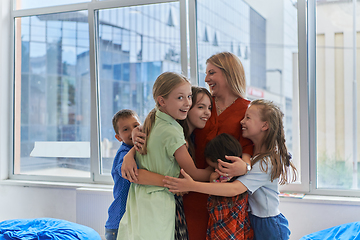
(150, 210)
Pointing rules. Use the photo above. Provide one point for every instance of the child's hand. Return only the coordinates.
(177, 185)
(214, 176)
(129, 168)
(236, 168)
(181, 193)
(138, 138)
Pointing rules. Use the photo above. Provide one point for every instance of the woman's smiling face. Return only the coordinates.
(215, 79)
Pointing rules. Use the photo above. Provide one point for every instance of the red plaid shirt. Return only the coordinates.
(228, 218)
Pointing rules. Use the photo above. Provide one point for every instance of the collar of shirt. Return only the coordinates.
(166, 118)
(124, 145)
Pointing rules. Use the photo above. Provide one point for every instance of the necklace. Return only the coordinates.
(219, 111)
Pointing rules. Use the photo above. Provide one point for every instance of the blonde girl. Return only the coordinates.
(271, 166)
(150, 210)
(198, 115)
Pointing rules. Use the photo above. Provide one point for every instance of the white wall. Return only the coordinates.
(306, 216)
(79, 205)
(88, 206)
(33, 202)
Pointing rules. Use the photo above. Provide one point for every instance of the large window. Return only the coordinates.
(76, 63)
(264, 37)
(136, 44)
(52, 89)
(73, 71)
(337, 95)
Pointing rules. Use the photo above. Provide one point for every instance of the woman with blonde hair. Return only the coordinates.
(225, 76)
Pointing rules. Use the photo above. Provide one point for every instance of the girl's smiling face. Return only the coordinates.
(200, 112)
(252, 126)
(178, 102)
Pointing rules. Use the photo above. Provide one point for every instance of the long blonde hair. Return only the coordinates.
(163, 86)
(274, 143)
(232, 69)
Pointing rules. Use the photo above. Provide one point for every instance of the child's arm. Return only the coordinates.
(130, 172)
(146, 177)
(228, 189)
(246, 158)
(129, 168)
(236, 168)
(185, 161)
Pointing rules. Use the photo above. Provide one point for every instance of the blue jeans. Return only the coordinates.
(111, 234)
(270, 228)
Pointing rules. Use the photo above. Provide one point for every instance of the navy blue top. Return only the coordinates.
(120, 191)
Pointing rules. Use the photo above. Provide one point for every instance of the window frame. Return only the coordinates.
(91, 8)
(311, 68)
(306, 10)
(307, 140)
(307, 94)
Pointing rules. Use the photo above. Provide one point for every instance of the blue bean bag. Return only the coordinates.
(348, 231)
(45, 228)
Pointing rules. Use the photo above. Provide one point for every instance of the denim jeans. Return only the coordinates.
(270, 228)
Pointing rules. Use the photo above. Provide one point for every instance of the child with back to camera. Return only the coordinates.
(271, 166)
(124, 121)
(150, 210)
(226, 218)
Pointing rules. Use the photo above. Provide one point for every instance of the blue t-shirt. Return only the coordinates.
(120, 191)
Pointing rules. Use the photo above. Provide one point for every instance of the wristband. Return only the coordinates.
(248, 167)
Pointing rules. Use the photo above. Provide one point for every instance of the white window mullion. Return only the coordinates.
(183, 40)
(193, 42)
(95, 153)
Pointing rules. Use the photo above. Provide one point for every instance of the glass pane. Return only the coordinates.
(27, 4)
(136, 44)
(52, 95)
(337, 95)
(263, 34)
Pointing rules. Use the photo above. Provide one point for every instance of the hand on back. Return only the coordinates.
(138, 138)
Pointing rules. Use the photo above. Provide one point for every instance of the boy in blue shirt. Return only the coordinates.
(124, 121)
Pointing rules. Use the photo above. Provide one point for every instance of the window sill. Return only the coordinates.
(46, 184)
(322, 199)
